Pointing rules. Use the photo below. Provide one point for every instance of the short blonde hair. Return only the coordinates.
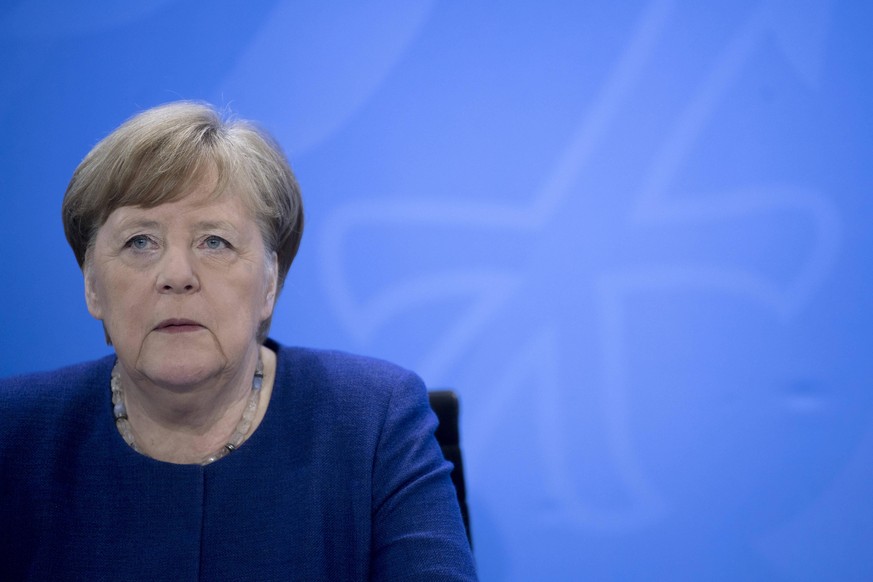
(158, 155)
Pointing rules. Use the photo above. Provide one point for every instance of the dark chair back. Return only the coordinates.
(447, 408)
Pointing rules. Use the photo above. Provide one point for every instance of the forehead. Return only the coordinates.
(200, 205)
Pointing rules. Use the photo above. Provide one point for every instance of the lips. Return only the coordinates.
(178, 326)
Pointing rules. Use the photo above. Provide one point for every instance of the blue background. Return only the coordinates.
(634, 236)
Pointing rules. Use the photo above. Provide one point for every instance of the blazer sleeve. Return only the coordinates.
(417, 533)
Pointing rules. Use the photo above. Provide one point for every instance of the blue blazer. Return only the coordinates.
(343, 480)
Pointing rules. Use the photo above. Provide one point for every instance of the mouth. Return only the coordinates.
(178, 326)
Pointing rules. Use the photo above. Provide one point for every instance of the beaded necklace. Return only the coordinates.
(122, 423)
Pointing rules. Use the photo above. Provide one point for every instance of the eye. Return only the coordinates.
(215, 243)
(140, 242)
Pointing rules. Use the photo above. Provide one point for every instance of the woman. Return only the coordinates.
(203, 450)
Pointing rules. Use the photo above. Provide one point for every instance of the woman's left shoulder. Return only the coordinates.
(342, 376)
(339, 365)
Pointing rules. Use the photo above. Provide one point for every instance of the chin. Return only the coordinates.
(181, 364)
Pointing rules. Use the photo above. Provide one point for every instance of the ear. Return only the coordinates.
(92, 297)
(272, 286)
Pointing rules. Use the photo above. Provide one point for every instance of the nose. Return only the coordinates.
(177, 272)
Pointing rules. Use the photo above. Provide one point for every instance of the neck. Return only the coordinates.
(190, 424)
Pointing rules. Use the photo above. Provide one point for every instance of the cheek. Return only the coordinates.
(120, 294)
(124, 302)
(254, 290)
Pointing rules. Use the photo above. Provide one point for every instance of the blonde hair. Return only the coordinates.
(158, 155)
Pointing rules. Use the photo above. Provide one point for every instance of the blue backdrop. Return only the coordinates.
(634, 236)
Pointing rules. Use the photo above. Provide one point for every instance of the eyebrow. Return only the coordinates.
(134, 223)
(215, 225)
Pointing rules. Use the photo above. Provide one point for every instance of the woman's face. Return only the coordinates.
(182, 287)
